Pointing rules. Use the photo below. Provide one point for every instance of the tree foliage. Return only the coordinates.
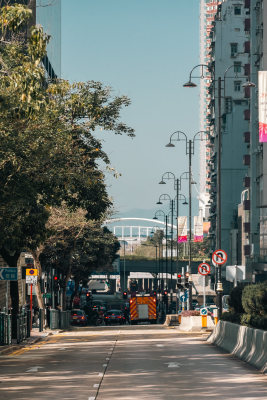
(48, 153)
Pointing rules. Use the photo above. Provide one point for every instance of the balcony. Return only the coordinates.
(246, 205)
(246, 181)
(246, 249)
(247, 115)
(246, 227)
(246, 159)
(246, 137)
(247, 47)
(247, 25)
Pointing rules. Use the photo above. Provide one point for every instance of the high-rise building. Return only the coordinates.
(230, 62)
(48, 14)
(253, 248)
(208, 10)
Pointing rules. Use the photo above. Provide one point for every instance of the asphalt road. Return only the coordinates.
(140, 362)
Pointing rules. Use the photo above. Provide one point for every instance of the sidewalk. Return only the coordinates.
(35, 337)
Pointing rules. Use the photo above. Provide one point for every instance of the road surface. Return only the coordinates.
(139, 362)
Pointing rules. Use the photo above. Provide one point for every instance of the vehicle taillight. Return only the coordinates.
(74, 314)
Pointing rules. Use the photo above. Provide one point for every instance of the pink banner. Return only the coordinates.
(198, 229)
(262, 81)
(182, 229)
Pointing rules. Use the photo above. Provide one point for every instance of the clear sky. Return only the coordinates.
(144, 49)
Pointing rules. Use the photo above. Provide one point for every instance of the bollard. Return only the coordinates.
(179, 318)
(204, 321)
(215, 315)
(41, 318)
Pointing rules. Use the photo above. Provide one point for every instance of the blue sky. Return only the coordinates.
(143, 49)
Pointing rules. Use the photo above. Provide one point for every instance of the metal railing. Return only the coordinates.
(23, 325)
(5, 328)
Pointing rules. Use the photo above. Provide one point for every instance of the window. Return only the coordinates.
(237, 10)
(234, 48)
(237, 86)
(237, 66)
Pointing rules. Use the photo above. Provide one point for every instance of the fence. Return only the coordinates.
(59, 319)
(23, 325)
(5, 328)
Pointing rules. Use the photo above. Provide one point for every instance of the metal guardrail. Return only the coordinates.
(23, 325)
(5, 328)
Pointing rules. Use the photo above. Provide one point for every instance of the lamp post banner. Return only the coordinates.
(262, 82)
(182, 231)
(198, 229)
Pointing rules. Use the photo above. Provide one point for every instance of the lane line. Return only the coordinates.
(106, 365)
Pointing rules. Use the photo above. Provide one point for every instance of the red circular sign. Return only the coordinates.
(31, 272)
(204, 269)
(219, 257)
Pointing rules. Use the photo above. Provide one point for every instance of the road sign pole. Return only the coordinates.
(7, 295)
(31, 308)
(204, 291)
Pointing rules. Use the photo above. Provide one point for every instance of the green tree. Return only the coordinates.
(48, 153)
(77, 246)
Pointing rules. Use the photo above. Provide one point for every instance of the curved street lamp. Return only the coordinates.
(219, 81)
(178, 136)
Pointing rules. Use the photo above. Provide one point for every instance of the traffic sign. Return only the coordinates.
(183, 298)
(204, 311)
(31, 272)
(31, 279)
(8, 274)
(204, 269)
(219, 257)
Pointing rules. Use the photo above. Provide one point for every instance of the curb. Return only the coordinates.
(15, 347)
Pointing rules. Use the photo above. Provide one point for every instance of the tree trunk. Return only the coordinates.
(12, 261)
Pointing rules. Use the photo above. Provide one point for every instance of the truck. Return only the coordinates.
(143, 308)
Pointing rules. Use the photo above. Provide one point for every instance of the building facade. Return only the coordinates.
(238, 51)
(208, 11)
(48, 14)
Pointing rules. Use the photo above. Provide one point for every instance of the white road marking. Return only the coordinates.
(34, 369)
(62, 348)
(160, 345)
(91, 398)
(100, 374)
(173, 365)
(105, 365)
(107, 358)
(96, 385)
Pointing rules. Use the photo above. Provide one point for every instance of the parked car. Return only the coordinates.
(78, 317)
(114, 316)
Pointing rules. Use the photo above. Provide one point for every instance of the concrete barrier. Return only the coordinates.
(171, 320)
(194, 323)
(248, 344)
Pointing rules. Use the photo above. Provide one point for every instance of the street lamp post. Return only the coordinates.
(157, 214)
(177, 187)
(179, 136)
(191, 84)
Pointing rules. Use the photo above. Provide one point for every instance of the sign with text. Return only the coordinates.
(31, 280)
(8, 274)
